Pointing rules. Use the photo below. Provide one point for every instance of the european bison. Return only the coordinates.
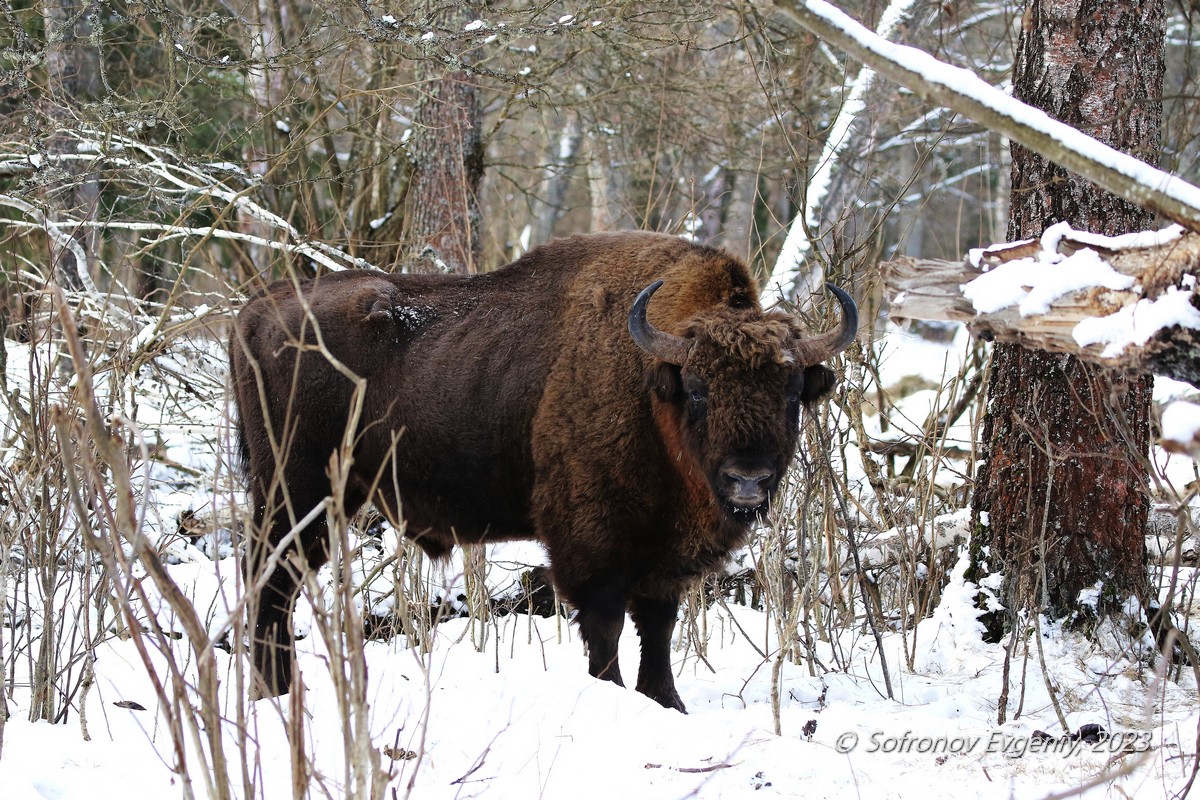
(636, 431)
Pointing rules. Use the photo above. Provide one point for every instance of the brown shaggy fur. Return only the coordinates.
(515, 404)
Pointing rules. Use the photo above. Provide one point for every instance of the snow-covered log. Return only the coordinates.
(1125, 302)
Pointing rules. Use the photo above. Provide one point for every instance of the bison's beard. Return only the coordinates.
(746, 516)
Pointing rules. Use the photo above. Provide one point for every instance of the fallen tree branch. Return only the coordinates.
(1085, 321)
(907, 448)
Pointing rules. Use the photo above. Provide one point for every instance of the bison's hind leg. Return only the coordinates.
(655, 620)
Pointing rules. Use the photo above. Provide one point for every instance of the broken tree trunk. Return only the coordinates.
(934, 290)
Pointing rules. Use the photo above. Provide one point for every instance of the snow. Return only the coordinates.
(1138, 323)
(1181, 422)
(506, 708)
(474, 25)
(1035, 282)
(968, 84)
(523, 719)
(1032, 284)
(1127, 241)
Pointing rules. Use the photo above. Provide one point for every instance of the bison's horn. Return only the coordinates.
(827, 345)
(669, 348)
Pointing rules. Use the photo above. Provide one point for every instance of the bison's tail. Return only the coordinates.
(242, 448)
(242, 443)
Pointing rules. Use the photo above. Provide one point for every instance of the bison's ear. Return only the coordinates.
(819, 381)
(381, 311)
(664, 381)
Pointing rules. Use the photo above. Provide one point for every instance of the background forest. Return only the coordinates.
(161, 161)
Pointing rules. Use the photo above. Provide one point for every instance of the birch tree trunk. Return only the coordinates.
(266, 84)
(561, 162)
(73, 78)
(794, 273)
(1061, 501)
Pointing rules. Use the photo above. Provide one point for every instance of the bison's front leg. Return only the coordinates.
(601, 617)
(655, 620)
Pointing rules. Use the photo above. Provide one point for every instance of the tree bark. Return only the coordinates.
(266, 83)
(73, 78)
(1061, 503)
(713, 203)
(442, 215)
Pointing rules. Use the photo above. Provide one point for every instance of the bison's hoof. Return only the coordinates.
(666, 697)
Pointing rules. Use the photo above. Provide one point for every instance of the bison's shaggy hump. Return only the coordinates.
(637, 440)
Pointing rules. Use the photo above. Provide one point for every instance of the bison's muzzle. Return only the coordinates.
(746, 488)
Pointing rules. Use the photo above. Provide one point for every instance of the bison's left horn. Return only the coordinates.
(669, 348)
(827, 345)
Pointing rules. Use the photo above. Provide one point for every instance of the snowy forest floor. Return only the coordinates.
(504, 707)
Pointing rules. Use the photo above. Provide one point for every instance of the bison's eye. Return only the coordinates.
(793, 405)
(697, 400)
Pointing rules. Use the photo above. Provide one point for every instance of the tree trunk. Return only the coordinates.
(266, 83)
(713, 202)
(560, 166)
(73, 79)
(1061, 501)
(442, 216)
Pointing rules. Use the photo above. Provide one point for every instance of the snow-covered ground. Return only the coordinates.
(523, 719)
(506, 709)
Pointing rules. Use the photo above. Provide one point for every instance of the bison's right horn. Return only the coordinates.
(827, 345)
(669, 348)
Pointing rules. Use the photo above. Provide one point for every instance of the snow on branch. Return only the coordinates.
(964, 92)
(61, 238)
(187, 185)
(1124, 302)
(789, 275)
(163, 170)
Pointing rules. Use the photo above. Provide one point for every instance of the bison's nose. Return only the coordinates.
(747, 487)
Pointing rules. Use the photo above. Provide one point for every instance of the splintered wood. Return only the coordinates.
(933, 290)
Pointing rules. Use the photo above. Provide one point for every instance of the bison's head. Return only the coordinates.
(735, 380)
